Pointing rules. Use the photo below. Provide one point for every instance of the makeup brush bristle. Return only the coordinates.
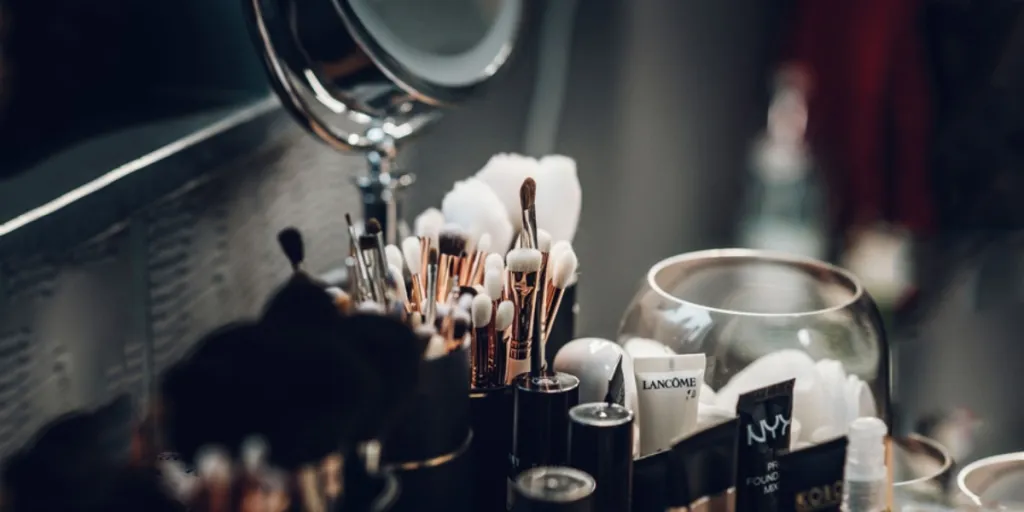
(452, 240)
(543, 240)
(495, 261)
(432, 256)
(528, 193)
(563, 273)
(523, 260)
(367, 242)
(436, 348)
(395, 257)
(484, 243)
(373, 226)
(428, 224)
(411, 253)
(505, 315)
(482, 308)
(290, 240)
(493, 282)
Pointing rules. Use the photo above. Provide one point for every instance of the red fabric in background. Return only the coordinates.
(869, 116)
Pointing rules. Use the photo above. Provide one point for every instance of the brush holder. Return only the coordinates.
(438, 420)
(650, 478)
(563, 330)
(436, 484)
(492, 442)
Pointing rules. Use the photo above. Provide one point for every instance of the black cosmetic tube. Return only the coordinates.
(765, 415)
(540, 435)
(702, 470)
(601, 444)
(553, 489)
(813, 477)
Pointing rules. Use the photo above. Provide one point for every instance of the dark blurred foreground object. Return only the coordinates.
(78, 463)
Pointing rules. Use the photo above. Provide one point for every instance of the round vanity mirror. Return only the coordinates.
(367, 74)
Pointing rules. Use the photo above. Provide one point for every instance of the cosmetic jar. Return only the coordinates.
(429, 449)
(601, 444)
(553, 489)
(996, 481)
(540, 435)
(491, 411)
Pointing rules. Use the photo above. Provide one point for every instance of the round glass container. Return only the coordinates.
(739, 305)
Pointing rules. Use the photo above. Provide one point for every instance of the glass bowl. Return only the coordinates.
(739, 305)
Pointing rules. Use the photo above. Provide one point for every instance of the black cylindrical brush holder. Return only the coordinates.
(492, 442)
(650, 477)
(563, 329)
(428, 450)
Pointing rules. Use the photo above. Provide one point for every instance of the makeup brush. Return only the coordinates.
(494, 261)
(527, 196)
(483, 310)
(369, 249)
(502, 322)
(523, 267)
(363, 272)
(374, 228)
(563, 274)
(399, 283)
(473, 272)
(411, 251)
(428, 227)
(213, 467)
(451, 244)
(504, 173)
(559, 196)
(430, 308)
(475, 207)
(494, 283)
(394, 256)
(293, 247)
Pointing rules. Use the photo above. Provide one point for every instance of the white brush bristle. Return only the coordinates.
(443, 310)
(396, 274)
(479, 288)
(556, 248)
(559, 196)
(563, 273)
(424, 330)
(428, 224)
(436, 348)
(523, 260)
(504, 173)
(213, 464)
(254, 451)
(416, 319)
(506, 314)
(494, 261)
(493, 282)
(472, 205)
(482, 309)
(484, 244)
(411, 253)
(461, 314)
(543, 241)
(394, 256)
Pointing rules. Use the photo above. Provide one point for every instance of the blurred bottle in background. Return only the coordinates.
(784, 208)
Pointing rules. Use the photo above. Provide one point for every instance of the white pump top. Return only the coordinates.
(865, 457)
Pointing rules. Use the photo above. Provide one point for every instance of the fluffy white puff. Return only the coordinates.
(476, 208)
(559, 197)
(504, 173)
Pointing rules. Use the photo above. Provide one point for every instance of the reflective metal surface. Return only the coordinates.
(345, 67)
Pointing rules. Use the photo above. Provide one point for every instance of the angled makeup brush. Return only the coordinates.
(483, 310)
(527, 196)
(503, 319)
(523, 267)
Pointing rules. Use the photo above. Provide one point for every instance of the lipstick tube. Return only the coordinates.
(601, 444)
(554, 489)
(540, 431)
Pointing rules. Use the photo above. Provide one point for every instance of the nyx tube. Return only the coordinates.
(540, 423)
(702, 470)
(765, 415)
(813, 477)
(553, 489)
(601, 444)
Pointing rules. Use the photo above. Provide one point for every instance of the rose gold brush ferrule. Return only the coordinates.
(553, 312)
(524, 296)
